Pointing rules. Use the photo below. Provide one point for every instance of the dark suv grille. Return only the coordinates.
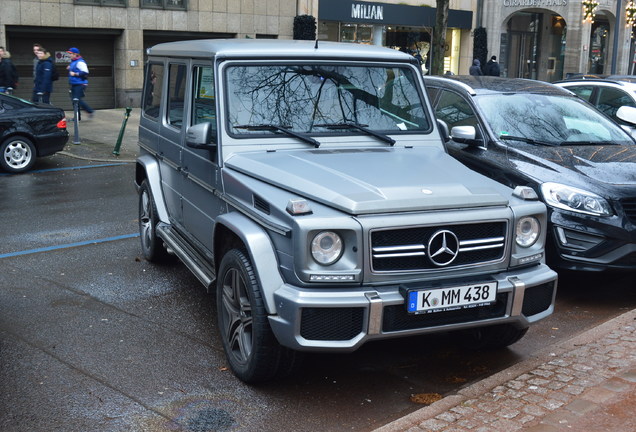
(629, 205)
(407, 249)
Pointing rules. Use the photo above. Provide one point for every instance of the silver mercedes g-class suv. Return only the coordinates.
(308, 183)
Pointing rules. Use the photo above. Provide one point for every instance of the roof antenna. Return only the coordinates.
(316, 46)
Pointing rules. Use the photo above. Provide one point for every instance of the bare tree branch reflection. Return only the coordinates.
(300, 96)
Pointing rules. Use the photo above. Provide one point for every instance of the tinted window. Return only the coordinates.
(584, 92)
(454, 110)
(302, 97)
(611, 99)
(204, 95)
(152, 89)
(176, 94)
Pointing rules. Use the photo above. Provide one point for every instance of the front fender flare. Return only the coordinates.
(147, 168)
(261, 251)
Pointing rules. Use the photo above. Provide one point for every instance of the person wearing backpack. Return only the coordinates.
(8, 72)
(44, 77)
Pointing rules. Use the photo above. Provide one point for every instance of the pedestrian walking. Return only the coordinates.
(36, 47)
(43, 82)
(492, 67)
(78, 79)
(8, 72)
(475, 69)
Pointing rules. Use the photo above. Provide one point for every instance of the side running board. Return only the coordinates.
(196, 262)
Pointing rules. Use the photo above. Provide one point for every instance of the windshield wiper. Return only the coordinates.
(361, 127)
(283, 129)
(526, 140)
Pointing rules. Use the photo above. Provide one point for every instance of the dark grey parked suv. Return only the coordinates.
(308, 184)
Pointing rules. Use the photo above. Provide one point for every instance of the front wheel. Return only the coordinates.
(251, 348)
(18, 154)
(151, 244)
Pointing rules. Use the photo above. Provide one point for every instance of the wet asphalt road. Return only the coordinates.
(92, 337)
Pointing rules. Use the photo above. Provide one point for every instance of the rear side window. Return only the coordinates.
(584, 92)
(152, 89)
(176, 94)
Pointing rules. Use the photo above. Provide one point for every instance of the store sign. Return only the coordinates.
(534, 3)
(367, 12)
(364, 12)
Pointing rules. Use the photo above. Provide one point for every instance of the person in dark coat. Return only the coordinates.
(492, 67)
(475, 69)
(8, 72)
(43, 82)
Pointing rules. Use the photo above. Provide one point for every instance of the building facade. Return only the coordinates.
(113, 35)
(537, 39)
(548, 40)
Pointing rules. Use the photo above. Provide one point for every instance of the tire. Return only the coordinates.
(252, 351)
(151, 245)
(494, 337)
(18, 154)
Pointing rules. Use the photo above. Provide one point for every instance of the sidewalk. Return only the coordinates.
(98, 136)
(587, 383)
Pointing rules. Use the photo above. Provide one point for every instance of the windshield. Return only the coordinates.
(323, 99)
(548, 119)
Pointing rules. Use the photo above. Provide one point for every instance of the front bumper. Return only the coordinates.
(343, 319)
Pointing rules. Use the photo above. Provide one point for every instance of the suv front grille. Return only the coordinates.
(407, 249)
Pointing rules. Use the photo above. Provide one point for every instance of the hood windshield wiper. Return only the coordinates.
(283, 129)
(361, 127)
(526, 140)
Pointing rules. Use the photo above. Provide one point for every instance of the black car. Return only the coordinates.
(27, 131)
(580, 162)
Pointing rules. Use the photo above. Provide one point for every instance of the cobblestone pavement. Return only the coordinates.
(587, 383)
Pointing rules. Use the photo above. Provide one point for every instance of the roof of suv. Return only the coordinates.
(275, 48)
(488, 85)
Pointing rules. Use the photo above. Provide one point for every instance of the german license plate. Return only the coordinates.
(451, 298)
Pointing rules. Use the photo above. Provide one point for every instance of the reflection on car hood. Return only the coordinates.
(610, 164)
(363, 181)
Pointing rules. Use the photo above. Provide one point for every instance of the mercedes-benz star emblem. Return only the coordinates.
(443, 248)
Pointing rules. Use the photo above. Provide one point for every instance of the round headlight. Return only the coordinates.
(527, 232)
(326, 247)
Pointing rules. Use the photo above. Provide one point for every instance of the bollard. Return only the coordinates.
(121, 131)
(76, 113)
(40, 95)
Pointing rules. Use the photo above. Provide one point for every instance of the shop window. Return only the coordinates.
(110, 3)
(165, 4)
(153, 88)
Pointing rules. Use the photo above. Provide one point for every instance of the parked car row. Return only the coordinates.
(580, 162)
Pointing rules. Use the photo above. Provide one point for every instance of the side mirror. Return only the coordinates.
(200, 136)
(464, 134)
(627, 114)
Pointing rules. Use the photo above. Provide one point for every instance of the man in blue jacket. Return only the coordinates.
(78, 79)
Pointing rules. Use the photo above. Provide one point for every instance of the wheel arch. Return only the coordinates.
(147, 168)
(234, 230)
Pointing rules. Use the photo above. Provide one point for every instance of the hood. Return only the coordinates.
(365, 181)
(606, 164)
